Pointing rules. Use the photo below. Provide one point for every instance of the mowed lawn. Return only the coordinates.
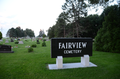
(34, 65)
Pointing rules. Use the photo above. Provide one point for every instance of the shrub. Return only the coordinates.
(43, 44)
(34, 45)
(30, 49)
(16, 42)
(44, 39)
(26, 40)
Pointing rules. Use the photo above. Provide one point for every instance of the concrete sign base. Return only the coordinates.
(85, 60)
(70, 65)
(59, 62)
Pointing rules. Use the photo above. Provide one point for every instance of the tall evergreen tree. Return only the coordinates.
(108, 36)
(75, 9)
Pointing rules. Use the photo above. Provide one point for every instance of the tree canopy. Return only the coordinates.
(41, 33)
(0, 35)
(107, 38)
(90, 26)
(18, 32)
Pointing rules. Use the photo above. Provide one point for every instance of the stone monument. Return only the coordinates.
(21, 42)
(6, 41)
(5, 49)
(12, 40)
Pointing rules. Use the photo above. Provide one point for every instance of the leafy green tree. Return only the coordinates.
(11, 33)
(44, 35)
(30, 33)
(0, 35)
(18, 32)
(107, 38)
(90, 24)
(24, 33)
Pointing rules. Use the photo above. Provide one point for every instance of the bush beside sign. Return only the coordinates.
(71, 47)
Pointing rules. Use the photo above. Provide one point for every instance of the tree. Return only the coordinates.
(30, 33)
(74, 10)
(44, 35)
(11, 33)
(90, 24)
(51, 32)
(0, 35)
(18, 32)
(41, 33)
(107, 38)
(60, 26)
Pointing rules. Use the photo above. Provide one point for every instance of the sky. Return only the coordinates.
(31, 14)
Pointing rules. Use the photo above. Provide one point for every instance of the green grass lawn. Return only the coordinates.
(34, 65)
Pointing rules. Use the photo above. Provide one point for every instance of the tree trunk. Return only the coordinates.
(64, 31)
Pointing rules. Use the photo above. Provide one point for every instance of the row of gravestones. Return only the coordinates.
(20, 42)
(8, 48)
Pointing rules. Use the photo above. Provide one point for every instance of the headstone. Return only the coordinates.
(37, 40)
(7, 41)
(12, 40)
(5, 49)
(1, 40)
(18, 39)
(21, 42)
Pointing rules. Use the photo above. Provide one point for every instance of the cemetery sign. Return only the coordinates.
(71, 47)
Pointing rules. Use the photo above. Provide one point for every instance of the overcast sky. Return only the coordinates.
(32, 14)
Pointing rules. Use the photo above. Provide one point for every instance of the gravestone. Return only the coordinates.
(12, 40)
(1, 40)
(7, 41)
(18, 39)
(37, 40)
(21, 42)
(5, 49)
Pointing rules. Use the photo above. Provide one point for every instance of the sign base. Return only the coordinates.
(70, 65)
(59, 62)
